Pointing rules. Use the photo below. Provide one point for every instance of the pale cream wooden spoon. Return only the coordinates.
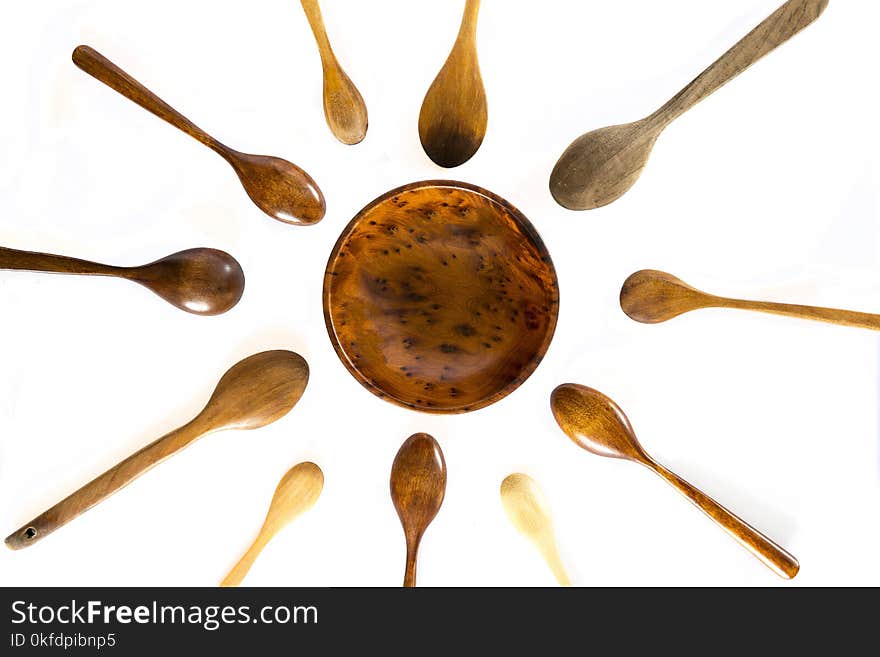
(529, 512)
(296, 493)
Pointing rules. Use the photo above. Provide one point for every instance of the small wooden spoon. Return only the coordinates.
(344, 107)
(279, 188)
(651, 297)
(453, 118)
(253, 393)
(598, 425)
(296, 493)
(199, 281)
(529, 512)
(418, 485)
(600, 166)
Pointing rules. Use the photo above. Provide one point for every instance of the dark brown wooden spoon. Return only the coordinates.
(598, 425)
(279, 188)
(454, 114)
(651, 297)
(199, 281)
(253, 393)
(600, 166)
(418, 485)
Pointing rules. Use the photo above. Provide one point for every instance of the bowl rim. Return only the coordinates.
(528, 229)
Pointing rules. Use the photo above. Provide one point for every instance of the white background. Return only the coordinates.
(766, 190)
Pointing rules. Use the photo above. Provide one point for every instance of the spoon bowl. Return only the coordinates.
(650, 296)
(600, 166)
(418, 486)
(199, 281)
(598, 425)
(253, 393)
(279, 188)
(296, 493)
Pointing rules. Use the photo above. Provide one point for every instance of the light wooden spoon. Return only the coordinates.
(296, 493)
(651, 297)
(600, 166)
(278, 187)
(253, 393)
(598, 425)
(344, 107)
(453, 118)
(199, 281)
(418, 486)
(529, 512)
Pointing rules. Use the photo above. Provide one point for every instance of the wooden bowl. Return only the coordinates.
(440, 296)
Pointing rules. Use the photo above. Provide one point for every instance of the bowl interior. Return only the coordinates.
(440, 296)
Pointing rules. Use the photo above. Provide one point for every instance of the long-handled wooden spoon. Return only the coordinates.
(600, 166)
(344, 107)
(296, 493)
(598, 425)
(418, 485)
(253, 393)
(199, 281)
(529, 512)
(279, 188)
(651, 297)
(453, 118)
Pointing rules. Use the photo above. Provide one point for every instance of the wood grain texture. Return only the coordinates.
(598, 425)
(418, 486)
(650, 296)
(454, 114)
(199, 281)
(295, 494)
(600, 166)
(255, 392)
(278, 187)
(528, 510)
(344, 107)
(441, 297)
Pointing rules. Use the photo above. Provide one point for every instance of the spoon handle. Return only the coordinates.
(551, 556)
(779, 27)
(101, 68)
(32, 261)
(316, 22)
(830, 315)
(241, 569)
(409, 575)
(772, 555)
(468, 29)
(103, 486)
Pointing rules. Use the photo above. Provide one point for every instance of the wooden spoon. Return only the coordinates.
(600, 166)
(651, 297)
(279, 188)
(344, 107)
(528, 511)
(452, 122)
(418, 485)
(253, 393)
(296, 493)
(199, 281)
(598, 425)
